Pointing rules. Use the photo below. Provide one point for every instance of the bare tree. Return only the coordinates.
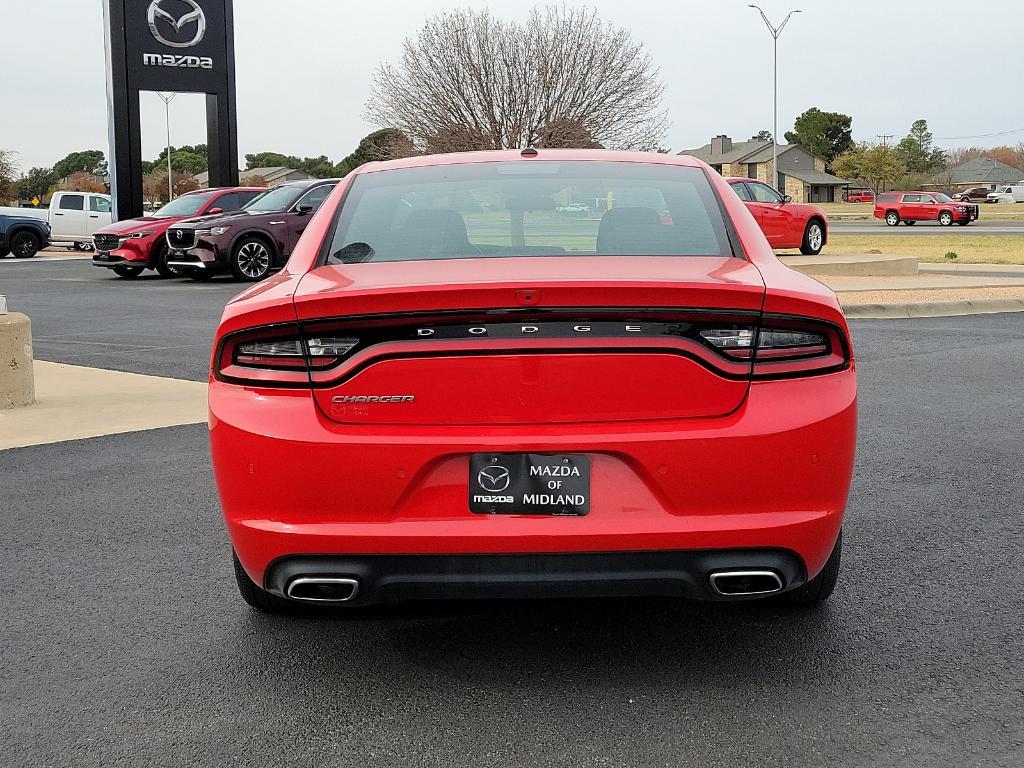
(8, 169)
(470, 77)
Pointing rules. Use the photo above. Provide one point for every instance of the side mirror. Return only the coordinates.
(787, 199)
(304, 208)
(214, 210)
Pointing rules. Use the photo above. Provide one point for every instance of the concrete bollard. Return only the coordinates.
(17, 384)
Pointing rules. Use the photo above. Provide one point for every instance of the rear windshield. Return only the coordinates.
(529, 208)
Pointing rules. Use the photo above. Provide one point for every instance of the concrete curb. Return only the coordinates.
(933, 308)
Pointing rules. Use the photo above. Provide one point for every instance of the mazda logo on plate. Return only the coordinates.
(494, 478)
(176, 23)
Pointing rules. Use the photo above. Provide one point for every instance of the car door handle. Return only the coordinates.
(275, 222)
(94, 215)
(58, 214)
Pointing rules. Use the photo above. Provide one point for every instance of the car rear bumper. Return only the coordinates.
(774, 475)
(393, 578)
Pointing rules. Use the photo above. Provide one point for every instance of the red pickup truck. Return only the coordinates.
(912, 207)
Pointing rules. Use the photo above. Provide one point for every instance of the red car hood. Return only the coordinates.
(141, 224)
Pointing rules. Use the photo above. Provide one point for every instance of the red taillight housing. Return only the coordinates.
(782, 346)
(277, 357)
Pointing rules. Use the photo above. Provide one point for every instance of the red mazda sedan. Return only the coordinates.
(460, 386)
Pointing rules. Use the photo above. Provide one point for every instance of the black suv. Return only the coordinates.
(249, 243)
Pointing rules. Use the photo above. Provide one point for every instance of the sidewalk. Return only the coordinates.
(939, 290)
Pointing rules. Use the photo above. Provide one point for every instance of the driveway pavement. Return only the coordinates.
(124, 642)
(927, 228)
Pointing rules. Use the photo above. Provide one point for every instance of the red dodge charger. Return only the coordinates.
(533, 374)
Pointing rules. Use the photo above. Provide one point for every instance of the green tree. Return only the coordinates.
(826, 134)
(36, 183)
(764, 135)
(85, 161)
(878, 165)
(385, 144)
(916, 151)
(187, 159)
(266, 160)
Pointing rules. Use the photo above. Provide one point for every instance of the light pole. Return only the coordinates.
(776, 31)
(167, 99)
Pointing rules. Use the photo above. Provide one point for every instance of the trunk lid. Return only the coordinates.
(581, 339)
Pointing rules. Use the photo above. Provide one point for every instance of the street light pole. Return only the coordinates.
(776, 31)
(167, 99)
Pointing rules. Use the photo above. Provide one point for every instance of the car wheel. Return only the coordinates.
(818, 589)
(83, 247)
(892, 218)
(3, 253)
(945, 218)
(910, 223)
(963, 223)
(814, 239)
(127, 272)
(259, 599)
(251, 259)
(159, 261)
(25, 245)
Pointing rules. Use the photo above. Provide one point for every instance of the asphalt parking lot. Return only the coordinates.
(124, 641)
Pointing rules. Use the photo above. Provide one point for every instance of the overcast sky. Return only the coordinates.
(304, 66)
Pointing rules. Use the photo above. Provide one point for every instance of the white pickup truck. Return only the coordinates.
(73, 217)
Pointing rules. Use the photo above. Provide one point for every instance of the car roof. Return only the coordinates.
(516, 155)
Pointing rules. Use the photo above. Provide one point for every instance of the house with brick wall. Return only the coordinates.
(801, 174)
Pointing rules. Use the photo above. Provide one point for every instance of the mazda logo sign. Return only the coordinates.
(493, 479)
(161, 20)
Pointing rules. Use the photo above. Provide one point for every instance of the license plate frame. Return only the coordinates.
(548, 484)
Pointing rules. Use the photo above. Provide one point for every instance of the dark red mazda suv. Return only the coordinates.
(460, 386)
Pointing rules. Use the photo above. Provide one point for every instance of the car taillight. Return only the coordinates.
(782, 347)
(277, 357)
(798, 347)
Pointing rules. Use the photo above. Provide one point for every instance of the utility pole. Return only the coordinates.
(776, 31)
(167, 99)
(884, 137)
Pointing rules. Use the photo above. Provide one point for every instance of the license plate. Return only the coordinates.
(529, 483)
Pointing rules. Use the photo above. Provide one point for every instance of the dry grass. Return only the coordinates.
(983, 249)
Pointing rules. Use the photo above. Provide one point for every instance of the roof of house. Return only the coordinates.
(811, 176)
(270, 174)
(983, 170)
(753, 151)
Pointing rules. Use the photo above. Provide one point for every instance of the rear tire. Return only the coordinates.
(84, 247)
(24, 245)
(3, 253)
(910, 223)
(259, 599)
(892, 218)
(963, 223)
(818, 589)
(814, 238)
(128, 273)
(945, 218)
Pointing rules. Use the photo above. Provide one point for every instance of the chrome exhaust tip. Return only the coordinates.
(743, 583)
(322, 589)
